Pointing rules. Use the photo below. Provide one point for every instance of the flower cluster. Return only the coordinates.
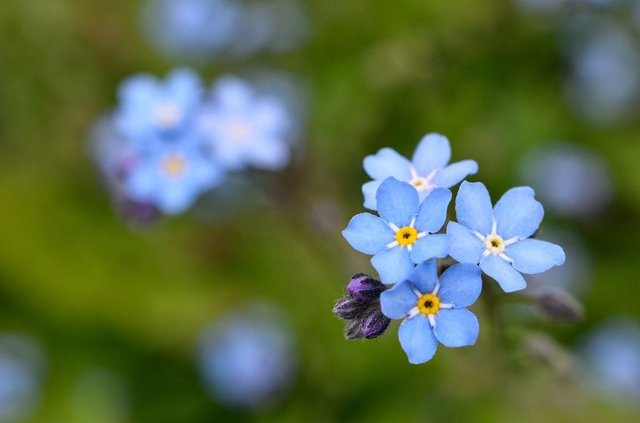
(406, 239)
(170, 141)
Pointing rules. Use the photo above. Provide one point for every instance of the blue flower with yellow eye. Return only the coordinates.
(245, 128)
(498, 238)
(403, 235)
(434, 311)
(172, 175)
(428, 169)
(150, 108)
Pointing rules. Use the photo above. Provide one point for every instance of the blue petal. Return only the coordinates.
(430, 247)
(137, 89)
(393, 265)
(417, 339)
(454, 173)
(534, 256)
(369, 190)
(464, 247)
(509, 278)
(176, 199)
(456, 327)
(433, 211)
(425, 277)
(368, 233)
(473, 207)
(518, 214)
(460, 285)
(398, 301)
(397, 202)
(387, 162)
(433, 152)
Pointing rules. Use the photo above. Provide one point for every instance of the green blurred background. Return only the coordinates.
(100, 294)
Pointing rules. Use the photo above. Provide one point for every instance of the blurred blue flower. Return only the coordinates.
(434, 311)
(152, 108)
(612, 356)
(499, 238)
(248, 359)
(245, 128)
(571, 180)
(173, 174)
(427, 170)
(21, 368)
(403, 234)
(194, 30)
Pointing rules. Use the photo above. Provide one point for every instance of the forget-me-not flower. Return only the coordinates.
(403, 234)
(434, 311)
(245, 128)
(499, 237)
(172, 175)
(149, 107)
(427, 170)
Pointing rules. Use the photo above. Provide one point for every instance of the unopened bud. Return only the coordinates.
(353, 330)
(348, 308)
(560, 307)
(365, 288)
(374, 324)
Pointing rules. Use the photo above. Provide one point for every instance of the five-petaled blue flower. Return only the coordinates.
(150, 108)
(245, 128)
(172, 175)
(402, 236)
(434, 311)
(498, 238)
(427, 170)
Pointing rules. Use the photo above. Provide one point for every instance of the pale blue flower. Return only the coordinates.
(499, 238)
(150, 108)
(172, 175)
(434, 311)
(428, 169)
(245, 128)
(403, 234)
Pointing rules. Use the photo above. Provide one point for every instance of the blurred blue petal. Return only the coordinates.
(387, 162)
(454, 173)
(433, 152)
(510, 279)
(369, 189)
(534, 256)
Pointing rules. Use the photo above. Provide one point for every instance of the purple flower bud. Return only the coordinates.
(559, 306)
(353, 330)
(365, 288)
(348, 308)
(374, 324)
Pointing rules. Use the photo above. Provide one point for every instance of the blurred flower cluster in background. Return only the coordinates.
(230, 137)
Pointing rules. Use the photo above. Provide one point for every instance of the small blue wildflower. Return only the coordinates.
(427, 170)
(245, 128)
(149, 107)
(172, 175)
(402, 235)
(498, 238)
(434, 311)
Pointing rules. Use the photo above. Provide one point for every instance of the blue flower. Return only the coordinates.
(434, 311)
(149, 107)
(427, 170)
(498, 238)
(172, 175)
(401, 237)
(245, 128)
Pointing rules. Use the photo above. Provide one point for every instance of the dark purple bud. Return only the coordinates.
(348, 308)
(374, 324)
(353, 330)
(559, 306)
(365, 288)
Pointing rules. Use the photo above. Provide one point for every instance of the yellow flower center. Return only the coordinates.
(406, 236)
(167, 114)
(174, 165)
(428, 304)
(495, 244)
(420, 183)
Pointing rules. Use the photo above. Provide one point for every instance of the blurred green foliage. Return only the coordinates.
(382, 73)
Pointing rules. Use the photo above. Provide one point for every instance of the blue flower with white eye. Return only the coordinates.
(172, 175)
(427, 170)
(245, 128)
(498, 237)
(151, 108)
(434, 311)
(403, 234)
